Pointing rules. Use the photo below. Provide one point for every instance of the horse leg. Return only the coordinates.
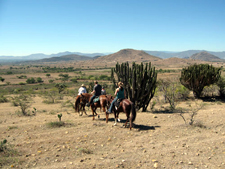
(84, 109)
(118, 117)
(115, 118)
(128, 117)
(106, 117)
(131, 125)
(93, 112)
(79, 108)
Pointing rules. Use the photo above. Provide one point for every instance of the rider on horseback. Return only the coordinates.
(119, 93)
(96, 92)
(82, 89)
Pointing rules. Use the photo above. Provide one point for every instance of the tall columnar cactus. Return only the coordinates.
(196, 77)
(139, 82)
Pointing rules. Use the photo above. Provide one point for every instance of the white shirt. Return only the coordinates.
(82, 90)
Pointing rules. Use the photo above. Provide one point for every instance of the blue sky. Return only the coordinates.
(89, 26)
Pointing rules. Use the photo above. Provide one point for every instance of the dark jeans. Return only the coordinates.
(92, 98)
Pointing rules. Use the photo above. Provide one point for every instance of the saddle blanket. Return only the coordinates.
(96, 99)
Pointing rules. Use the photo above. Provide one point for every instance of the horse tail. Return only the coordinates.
(77, 104)
(133, 115)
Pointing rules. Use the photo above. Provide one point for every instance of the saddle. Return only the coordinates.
(117, 103)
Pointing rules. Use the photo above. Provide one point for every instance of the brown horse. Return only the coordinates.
(127, 107)
(102, 103)
(80, 105)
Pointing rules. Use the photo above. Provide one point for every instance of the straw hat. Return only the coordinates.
(120, 84)
(83, 85)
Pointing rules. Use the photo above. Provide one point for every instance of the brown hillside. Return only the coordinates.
(72, 57)
(205, 56)
(125, 55)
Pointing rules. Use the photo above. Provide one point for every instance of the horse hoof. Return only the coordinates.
(98, 116)
(114, 124)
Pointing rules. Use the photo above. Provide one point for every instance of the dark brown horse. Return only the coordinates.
(127, 107)
(80, 105)
(102, 103)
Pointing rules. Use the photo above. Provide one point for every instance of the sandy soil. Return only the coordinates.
(158, 140)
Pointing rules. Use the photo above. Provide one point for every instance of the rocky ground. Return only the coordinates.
(159, 139)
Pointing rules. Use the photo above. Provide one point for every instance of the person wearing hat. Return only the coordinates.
(119, 93)
(82, 89)
(103, 92)
(96, 92)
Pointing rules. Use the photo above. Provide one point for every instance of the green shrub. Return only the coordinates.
(22, 77)
(221, 85)
(31, 80)
(22, 83)
(3, 99)
(39, 80)
(74, 80)
(2, 79)
(55, 124)
(50, 81)
(196, 77)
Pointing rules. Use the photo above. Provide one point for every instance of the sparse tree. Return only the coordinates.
(196, 77)
(2, 79)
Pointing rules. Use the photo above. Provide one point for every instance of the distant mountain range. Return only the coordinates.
(184, 54)
(39, 56)
(131, 54)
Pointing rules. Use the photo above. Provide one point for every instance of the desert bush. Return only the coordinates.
(22, 77)
(192, 113)
(39, 80)
(221, 84)
(210, 91)
(91, 77)
(50, 96)
(22, 83)
(48, 75)
(51, 81)
(31, 80)
(61, 87)
(172, 91)
(2, 79)
(196, 77)
(24, 102)
(64, 77)
(55, 124)
(3, 99)
(74, 80)
(7, 154)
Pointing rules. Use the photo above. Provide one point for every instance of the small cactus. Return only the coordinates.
(60, 116)
(2, 146)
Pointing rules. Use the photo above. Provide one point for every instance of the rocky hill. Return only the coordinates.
(126, 55)
(205, 56)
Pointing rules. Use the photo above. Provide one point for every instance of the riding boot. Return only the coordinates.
(88, 104)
